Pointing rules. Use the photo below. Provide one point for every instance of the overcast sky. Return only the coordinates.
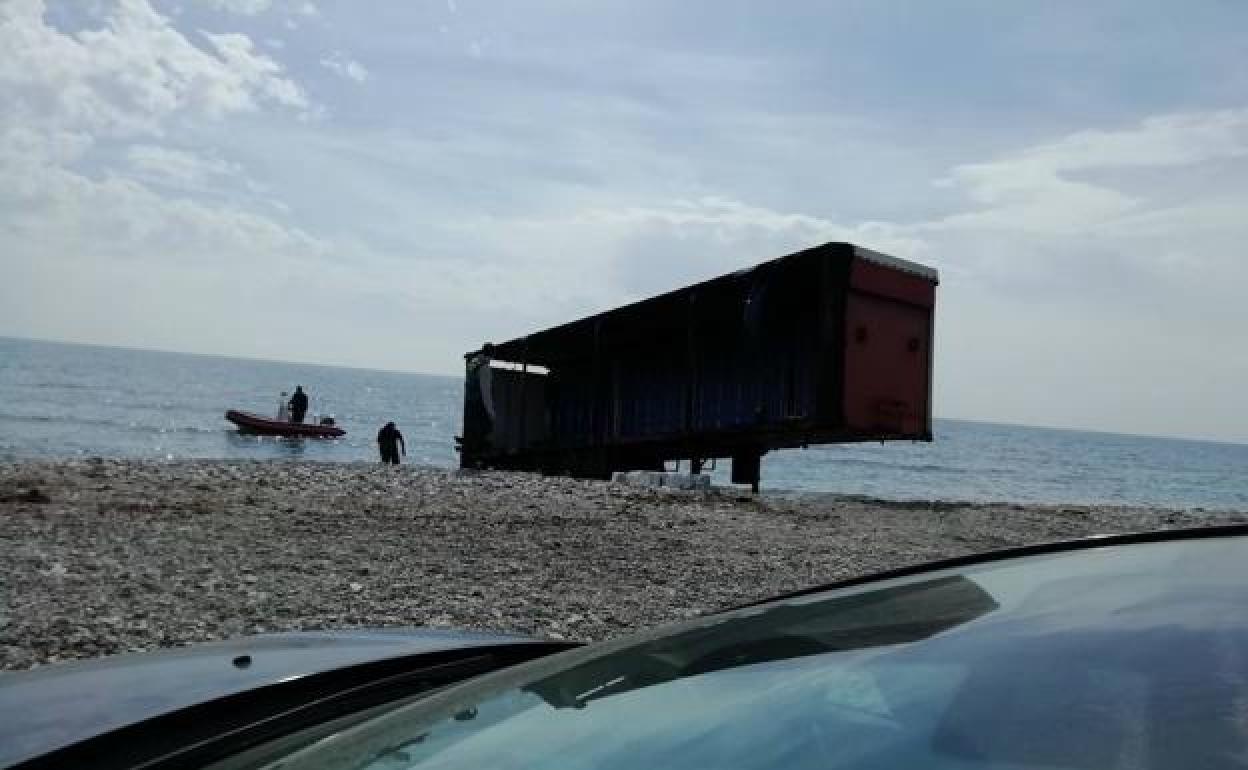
(390, 184)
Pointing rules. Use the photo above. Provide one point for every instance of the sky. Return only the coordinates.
(389, 184)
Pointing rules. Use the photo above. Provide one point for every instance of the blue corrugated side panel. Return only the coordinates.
(645, 399)
(572, 408)
(651, 398)
(740, 390)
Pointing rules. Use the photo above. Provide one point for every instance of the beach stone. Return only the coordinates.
(660, 479)
(154, 559)
(32, 495)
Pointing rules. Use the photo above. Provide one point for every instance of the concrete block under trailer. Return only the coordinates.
(832, 344)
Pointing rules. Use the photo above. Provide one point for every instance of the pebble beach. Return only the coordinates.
(105, 556)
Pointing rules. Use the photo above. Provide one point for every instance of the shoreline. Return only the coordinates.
(108, 555)
(778, 494)
(810, 497)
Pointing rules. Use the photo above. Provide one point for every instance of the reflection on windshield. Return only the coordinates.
(904, 613)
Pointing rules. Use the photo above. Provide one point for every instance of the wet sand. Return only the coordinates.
(101, 556)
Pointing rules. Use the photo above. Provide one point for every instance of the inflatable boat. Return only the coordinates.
(266, 426)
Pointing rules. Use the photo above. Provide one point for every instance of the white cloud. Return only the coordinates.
(254, 74)
(1043, 189)
(1163, 140)
(121, 217)
(539, 271)
(1135, 217)
(72, 216)
(128, 75)
(243, 7)
(158, 265)
(167, 165)
(731, 220)
(343, 65)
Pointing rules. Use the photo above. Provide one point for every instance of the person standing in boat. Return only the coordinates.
(298, 404)
(389, 440)
(283, 409)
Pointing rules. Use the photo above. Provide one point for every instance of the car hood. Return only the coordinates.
(53, 706)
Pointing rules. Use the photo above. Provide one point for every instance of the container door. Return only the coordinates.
(888, 353)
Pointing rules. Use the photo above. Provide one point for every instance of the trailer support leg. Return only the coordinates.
(747, 468)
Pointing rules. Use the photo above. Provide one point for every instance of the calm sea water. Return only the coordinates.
(71, 400)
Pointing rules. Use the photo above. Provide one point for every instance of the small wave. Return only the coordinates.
(173, 429)
(127, 425)
(864, 462)
(64, 385)
(67, 420)
(43, 418)
(28, 418)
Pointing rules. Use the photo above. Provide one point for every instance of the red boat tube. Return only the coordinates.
(256, 425)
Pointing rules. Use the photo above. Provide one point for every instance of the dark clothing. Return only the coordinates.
(388, 440)
(298, 406)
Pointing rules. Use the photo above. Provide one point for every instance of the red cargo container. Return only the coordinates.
(889, 310)
(831, 344)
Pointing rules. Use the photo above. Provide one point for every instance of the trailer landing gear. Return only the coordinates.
(747, 468)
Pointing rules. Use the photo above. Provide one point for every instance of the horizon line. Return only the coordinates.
(254, 359)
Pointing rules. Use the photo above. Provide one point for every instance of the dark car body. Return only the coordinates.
(1129, 651)
(126, 710)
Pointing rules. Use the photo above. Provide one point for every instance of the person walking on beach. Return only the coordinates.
(298, 404)
(283, 408)
(389, 440)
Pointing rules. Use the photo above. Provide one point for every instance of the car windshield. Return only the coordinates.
(1126, 656)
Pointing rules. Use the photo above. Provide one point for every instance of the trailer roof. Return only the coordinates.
(897, 263)
(562, 342)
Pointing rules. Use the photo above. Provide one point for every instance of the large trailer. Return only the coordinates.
(829, 345)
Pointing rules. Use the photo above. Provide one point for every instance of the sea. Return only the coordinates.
(63, 400)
